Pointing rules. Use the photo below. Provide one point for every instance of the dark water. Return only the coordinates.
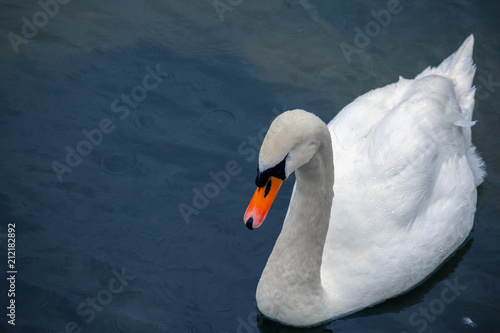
(116, 115)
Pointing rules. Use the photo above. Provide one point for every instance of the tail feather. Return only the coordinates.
(460, 69)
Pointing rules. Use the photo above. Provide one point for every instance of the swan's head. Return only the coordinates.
(291, 141)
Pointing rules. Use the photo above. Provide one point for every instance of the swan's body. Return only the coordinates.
(395, 200)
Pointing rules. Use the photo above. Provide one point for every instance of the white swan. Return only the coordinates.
(402, 202)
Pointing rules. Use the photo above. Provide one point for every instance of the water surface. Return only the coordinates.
(158, 98)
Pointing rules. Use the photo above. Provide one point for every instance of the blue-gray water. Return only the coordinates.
(115, 116)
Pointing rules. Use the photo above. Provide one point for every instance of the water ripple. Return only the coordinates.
(118, 161)
(202, 328)
(217, 122)
(144, 122)
(137, 322)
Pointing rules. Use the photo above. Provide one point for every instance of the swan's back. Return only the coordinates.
(405, 184)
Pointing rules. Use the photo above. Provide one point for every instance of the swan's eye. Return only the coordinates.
(277, 171)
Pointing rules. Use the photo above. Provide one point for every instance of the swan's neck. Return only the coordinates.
(295, 263)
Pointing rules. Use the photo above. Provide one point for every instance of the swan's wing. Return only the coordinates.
(460, 69)
(390, 144)
(448, 83)
(404, 193)
(405, 177)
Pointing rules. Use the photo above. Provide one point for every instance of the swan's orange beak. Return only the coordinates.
(261, 203)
